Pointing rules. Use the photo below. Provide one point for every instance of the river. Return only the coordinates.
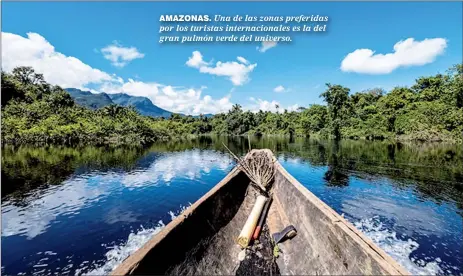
(82, 210)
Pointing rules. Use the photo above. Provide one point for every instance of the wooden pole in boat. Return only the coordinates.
(263, 215)
(246, 233)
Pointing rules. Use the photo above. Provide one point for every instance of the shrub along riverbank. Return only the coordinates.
(35, 112)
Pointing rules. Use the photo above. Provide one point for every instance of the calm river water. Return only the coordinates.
(83, 210)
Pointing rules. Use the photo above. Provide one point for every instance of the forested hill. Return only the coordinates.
(98, 100)
(142, 104)
(34, 111)
(89, 99)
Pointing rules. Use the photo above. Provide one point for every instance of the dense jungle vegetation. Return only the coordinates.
(34, 111)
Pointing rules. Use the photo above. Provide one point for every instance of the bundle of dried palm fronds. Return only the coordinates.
(258, 166)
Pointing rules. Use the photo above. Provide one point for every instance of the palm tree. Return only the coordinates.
(112, 110)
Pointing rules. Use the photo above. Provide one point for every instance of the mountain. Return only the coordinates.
(142, 104)
(89, 99)
(99, 100)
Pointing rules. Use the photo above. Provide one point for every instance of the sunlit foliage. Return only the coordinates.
(34, 111)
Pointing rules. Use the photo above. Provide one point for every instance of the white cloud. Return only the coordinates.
(171, 98)
(406, 53)
(280, 89)
(57, 68)
(196, 60)
(133, 88)
(242, 60)
(293, 107)
(264, 105)
(237, 72)
(120, 56)
(266, 45)
(65, 71)
(190, 101)
(259, 104)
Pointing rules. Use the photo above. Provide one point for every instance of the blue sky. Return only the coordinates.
(66, 31)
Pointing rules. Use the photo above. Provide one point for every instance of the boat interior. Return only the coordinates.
(203, 240)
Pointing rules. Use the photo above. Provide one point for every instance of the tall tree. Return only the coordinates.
(26, 75)
(336, 96)
(456, 83)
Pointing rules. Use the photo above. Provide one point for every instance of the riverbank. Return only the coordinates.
(121, 141)
(35, 112)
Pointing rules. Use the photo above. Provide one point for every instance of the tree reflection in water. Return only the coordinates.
(434, 170)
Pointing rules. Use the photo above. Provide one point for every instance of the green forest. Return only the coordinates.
(36, 112)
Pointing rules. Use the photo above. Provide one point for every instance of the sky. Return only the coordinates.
(114, 47)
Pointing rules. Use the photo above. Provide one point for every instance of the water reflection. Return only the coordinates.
(106, 202)
(190, 164)
(335, 176)
(96, 203)
(423, 219)
(27, 171)
(34, 219)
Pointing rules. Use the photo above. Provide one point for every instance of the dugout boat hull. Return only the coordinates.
(202, 240)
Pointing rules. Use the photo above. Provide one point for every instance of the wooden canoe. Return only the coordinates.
(202, 240)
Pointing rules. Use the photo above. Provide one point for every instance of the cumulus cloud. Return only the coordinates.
(66, 71)
(264, 105)
(190, 101)
(242, 60)
(406, 53)
(293, 107)
(266, 45)
(172, 98)
(57, 68)
(120, 56)
(196, 60)
(236, 72)
(132, 87)
(280, 89)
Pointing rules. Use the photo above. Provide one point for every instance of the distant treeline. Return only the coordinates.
(34, 111)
